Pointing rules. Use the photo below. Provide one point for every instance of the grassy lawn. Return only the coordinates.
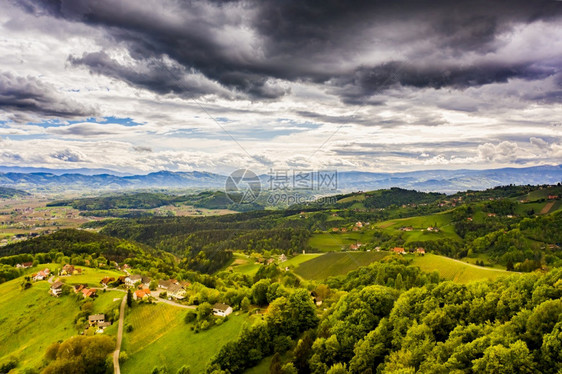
(337, 263)
(329, 242)
(454, 270)
(160, 337)
(31, 320)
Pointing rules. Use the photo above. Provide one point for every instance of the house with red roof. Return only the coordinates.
(142, 294)
(399, 250)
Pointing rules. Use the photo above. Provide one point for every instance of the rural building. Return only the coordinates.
(79, 288)
(221, 310)
(282, 258)
(315, 298)
(176, 291)
(42, 275)
(142, 294)
(96, 319)
(70, 270)
(399, 250)
(89, 292)
(56, 288)
(131, 280)
(105, 281)
(24, 265)
(420, 251)
(164, 284)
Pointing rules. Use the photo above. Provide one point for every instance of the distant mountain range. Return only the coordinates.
(448, 181)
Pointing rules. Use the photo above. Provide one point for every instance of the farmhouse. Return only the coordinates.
(89, 292)
(420, 251)
(221, 310)
(176, 291)
(142, 294)
(164, 284)
(96, 319)
(408, 228)
(56, 288)
(79, 288)
(105, 281)
(399, 250)
(131, 280)
(282, 258)
(24, 265)
(70, 270)
(42, 275)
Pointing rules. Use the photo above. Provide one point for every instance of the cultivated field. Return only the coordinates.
(337, 263)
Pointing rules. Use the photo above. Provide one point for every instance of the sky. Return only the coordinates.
(382, 86)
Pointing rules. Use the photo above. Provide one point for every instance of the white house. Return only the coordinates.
(132, 279)
(56, 288)
(221, 310)
(176, 291)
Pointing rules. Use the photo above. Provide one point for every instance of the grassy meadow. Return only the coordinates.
(336, 263)
(30, 320)
(419, 227)
(336, 241)
(456, 270)
(161, 337)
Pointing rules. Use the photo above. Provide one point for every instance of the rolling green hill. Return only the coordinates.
(456, 270)
(30, 320)
(8, 193)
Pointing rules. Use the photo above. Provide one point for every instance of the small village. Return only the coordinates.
(143, 289)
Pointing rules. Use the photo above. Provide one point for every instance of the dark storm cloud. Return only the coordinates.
(21, 95)
(246, 47)
(365, 81)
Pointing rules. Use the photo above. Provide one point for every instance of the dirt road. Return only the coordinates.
(116, 368)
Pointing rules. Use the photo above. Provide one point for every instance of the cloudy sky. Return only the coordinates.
(141, 86)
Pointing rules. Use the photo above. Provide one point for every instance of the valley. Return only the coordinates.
(261, 265)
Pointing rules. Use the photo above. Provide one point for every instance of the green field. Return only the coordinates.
(336, 263)
(420, 224)
(105, 301)
(31, 320)
(456, 270)
(160, 337)
(242, 263)
(300, 259)
(91, 276)
(329, 242)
